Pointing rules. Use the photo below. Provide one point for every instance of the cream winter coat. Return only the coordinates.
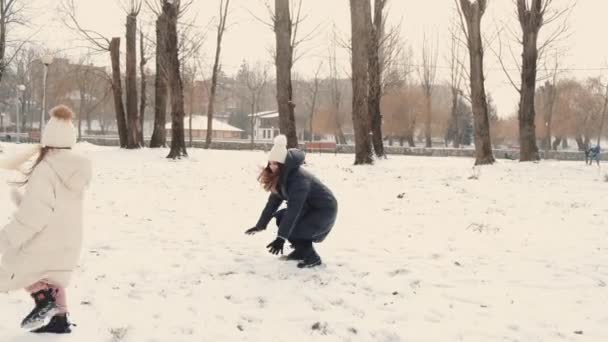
(44, 239)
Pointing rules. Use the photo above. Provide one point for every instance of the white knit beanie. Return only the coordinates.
(59, 130)
(278, 153)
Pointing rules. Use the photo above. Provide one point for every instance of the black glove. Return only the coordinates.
(276, 246)
(254, 230)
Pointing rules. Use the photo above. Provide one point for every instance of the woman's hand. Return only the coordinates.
(254, 230)
(276, 246)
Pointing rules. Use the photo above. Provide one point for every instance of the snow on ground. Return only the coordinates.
(425, 249)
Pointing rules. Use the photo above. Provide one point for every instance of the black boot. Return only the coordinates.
(44, 310)
(59, 324)
(299, 250)
(311, 258)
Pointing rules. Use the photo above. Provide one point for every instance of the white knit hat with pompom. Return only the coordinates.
(278, 153)
(59, 130)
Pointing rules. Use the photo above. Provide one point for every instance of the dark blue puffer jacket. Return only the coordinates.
(311, 206)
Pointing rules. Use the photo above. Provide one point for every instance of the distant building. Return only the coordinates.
(221, 130)
(266, 125)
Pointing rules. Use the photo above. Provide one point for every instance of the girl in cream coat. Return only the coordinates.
(41, 245)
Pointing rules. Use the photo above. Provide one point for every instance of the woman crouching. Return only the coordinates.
(311, 207)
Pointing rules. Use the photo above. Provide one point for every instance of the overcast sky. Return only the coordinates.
(250, 39)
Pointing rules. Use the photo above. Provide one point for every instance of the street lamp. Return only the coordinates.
(46, 60)
(2, 123)
(20, 90)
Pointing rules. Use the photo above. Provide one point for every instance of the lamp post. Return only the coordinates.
(2, 123)
(46, 60)
(20, 90)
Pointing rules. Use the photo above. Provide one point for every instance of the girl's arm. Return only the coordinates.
(34, 211)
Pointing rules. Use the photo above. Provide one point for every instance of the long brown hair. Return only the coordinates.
(269, 179)
(43, 152)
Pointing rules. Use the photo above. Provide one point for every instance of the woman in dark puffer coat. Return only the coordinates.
(311, 207)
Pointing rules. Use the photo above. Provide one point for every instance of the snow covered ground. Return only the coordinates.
(425, 249)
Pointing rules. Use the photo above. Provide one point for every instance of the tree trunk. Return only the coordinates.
(81, 110)
(556, 143)
(284, 61)
(24, 115)
(216, 64)
(133, 128)
(119, 108)
(143, 99)
(580, 143)
(210, 108)
(548, 135)
(552, 94)
(312, 114)
(599, 134)
(531, 21)
(252, 121)
(527, 127)
(89, 121)
(335, 96)
(360, 23)
(341, 138)
(473, 13)
(178, 142)
(190, 137)
(410, 139)
(3, 29)
(455, 119)
(375, 77)
(159, 136)
(312, 135)
(427, 123)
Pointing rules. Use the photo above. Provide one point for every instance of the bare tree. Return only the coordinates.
(456, 76)
(187, 44)
(132, 8)
(117, 91)
(171, 8)
(286, 24)
(391, 50)
(92, 90)
(221, 28)
(101, 43)
(143, 60)
(335, 92)
(159, 136)
(256, 79)
(427, 73)
(470, 18)
(284, 61)
(375, 75)
(313, 98)
(531, 20)
(549, 103)
(11, 14)
(191, 74)
(532, 16)
(360, 23)
(604, 108)
(24, 64)
(408, 96)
